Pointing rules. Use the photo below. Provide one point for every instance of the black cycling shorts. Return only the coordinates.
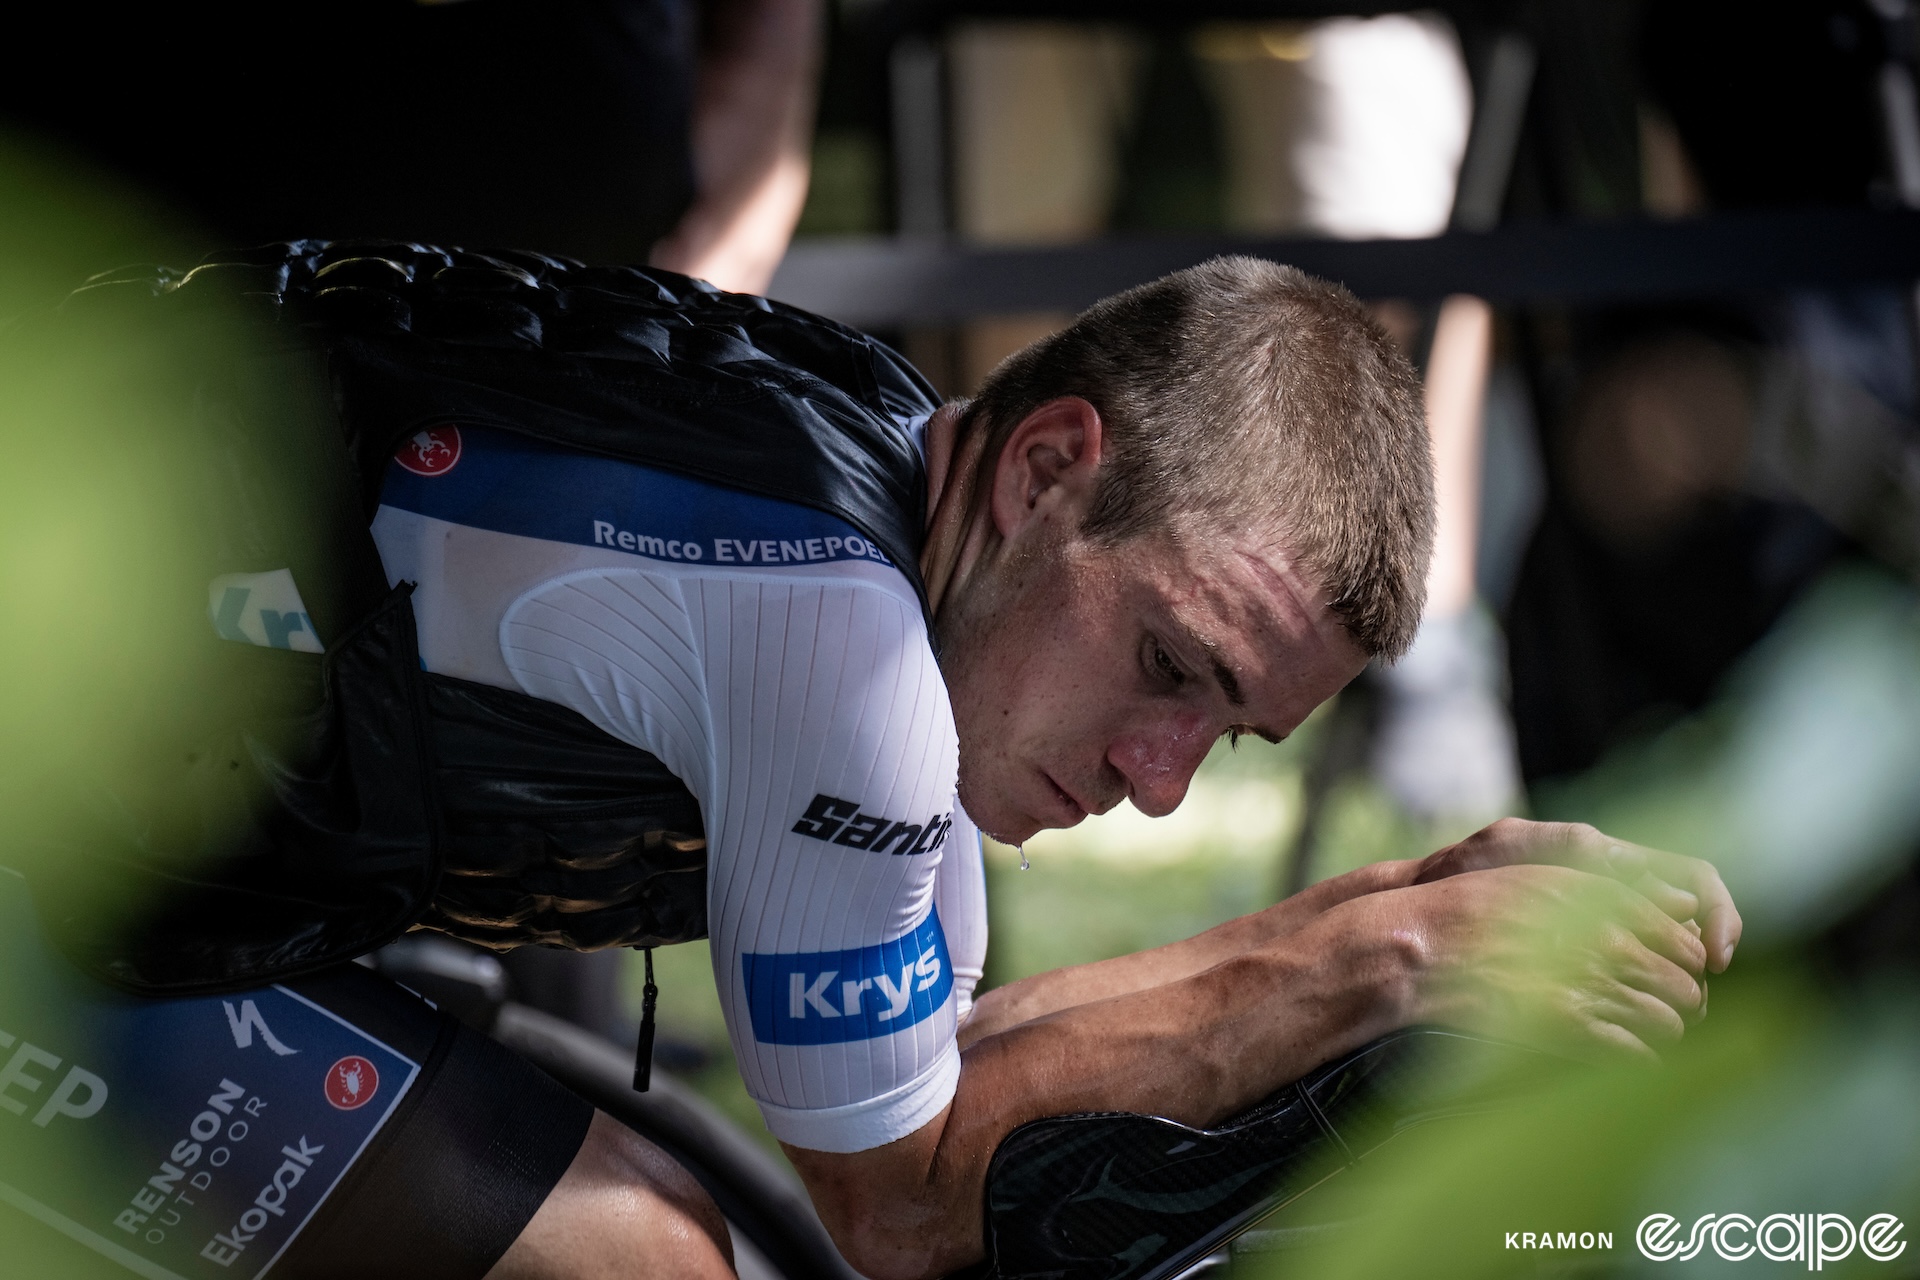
(332, 1126)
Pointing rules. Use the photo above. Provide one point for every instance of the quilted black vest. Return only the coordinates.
(342, 799)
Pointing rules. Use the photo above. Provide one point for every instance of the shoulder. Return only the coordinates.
(638, 516)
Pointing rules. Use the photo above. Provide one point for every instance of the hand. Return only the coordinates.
(1687, 889)
(1549, 956)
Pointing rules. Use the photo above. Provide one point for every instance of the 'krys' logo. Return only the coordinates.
(840, 821)
(1813, 1238)
(351, 1082)
(832, 997)
(431, 452)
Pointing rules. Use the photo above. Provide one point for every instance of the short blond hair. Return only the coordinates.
(1242, 391)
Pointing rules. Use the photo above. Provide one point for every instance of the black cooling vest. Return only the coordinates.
(375, 796)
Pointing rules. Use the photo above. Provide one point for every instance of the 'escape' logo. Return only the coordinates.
(1813, 1238)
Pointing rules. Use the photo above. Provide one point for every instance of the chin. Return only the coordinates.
(997, 822)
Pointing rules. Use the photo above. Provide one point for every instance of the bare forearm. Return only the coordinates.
(752, 118)
(1548, 955)
(1048, 993)
(1195, 1050)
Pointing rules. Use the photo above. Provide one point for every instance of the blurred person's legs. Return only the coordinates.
(1349, 127)
(1444, 746)
(1037, 112)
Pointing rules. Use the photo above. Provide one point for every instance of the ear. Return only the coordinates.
(1048, 470)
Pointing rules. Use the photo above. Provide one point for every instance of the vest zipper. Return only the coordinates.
(643, 1052)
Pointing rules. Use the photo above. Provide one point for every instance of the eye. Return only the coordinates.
(1162, 667)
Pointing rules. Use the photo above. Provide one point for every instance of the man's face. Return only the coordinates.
(1086, 675)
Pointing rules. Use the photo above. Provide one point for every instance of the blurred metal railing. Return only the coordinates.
(880, 282)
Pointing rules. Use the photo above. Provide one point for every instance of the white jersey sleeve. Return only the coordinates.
(804, 708)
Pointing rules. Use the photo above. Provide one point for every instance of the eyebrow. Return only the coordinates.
(1229, 684)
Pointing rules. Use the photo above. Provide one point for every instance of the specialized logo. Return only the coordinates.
(830, 997)
(246, 1020)
(1813, 1238)
(351, 1083)
(432, 452)
(840, 821)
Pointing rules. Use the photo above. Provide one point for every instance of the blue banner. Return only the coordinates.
(184, 1139)
(490, 479)
(829, 997)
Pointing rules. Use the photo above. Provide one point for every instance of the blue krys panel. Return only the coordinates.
(495, 480)
(184, 1139)
(829, 997)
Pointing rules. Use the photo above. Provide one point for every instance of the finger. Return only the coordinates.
(1583, 848)
(1633, 865)
(1652, 1020)
(1719, 919)
(1516, 841)
(1676, 902)
(1440, 864)
(1657, 978)
(1605, 1041)
(1659, 932)
(1671, 940)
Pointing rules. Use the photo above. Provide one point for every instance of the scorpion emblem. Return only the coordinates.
(351, 1082)
(430, 452)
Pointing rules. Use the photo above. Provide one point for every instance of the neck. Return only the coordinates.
(955, 536)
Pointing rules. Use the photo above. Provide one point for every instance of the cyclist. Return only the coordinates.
(771, 695)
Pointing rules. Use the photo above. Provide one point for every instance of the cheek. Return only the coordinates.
(1169, 748)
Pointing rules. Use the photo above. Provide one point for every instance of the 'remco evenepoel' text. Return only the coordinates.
(762, 551)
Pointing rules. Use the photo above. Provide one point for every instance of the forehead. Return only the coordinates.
(1248, 601)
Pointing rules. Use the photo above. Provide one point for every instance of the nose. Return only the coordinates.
(1158, 761)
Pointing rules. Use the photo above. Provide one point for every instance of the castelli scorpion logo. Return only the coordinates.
(431, 452)
(351, 1082)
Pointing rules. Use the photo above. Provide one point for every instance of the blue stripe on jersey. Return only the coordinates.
(830, 997)
(511, 484)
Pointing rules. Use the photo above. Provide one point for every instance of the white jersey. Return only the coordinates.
(778, 664)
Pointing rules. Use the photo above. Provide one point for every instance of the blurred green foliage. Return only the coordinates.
(1784, 1101)
(92, 553)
